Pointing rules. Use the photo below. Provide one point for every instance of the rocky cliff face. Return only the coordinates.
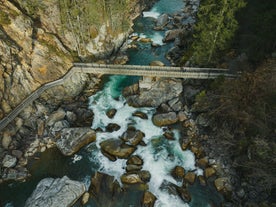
(39, 40)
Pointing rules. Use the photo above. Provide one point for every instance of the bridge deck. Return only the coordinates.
(154, 71)
(134, 70)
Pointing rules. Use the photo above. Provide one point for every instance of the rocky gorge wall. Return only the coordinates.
(39, 40)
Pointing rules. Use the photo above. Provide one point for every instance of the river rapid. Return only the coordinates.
(159, 155)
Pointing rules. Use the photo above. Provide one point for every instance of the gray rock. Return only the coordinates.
(14, 174)
(17, 153)
(202, 120)
(241, 193)
(6, 140)
(71, 116)
(72, 139)
(182, 116)
(55, 116)
(171, 35)
(131, 90)
(58, 192)
(165, 119)
(160, 92)
(162, 21)
(59, 125)
(9, 161)
(176, 104)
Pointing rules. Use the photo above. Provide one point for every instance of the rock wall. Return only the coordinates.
(39, 40)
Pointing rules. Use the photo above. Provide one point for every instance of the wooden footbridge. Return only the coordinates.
(132, 70)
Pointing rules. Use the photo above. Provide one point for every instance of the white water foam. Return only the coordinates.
(153, 13)
(160, 155)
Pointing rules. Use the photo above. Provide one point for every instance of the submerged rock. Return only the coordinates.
(104, 188)
(72, 139)
(176, 190)
(190, 177)
(57, 192)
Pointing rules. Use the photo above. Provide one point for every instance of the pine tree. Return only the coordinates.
(215, 27)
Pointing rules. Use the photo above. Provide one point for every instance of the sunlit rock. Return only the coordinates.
(57, 192)
(72, 139)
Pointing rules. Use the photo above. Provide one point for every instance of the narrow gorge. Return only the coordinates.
(109, 140)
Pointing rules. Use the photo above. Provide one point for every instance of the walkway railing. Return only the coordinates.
(133, 70)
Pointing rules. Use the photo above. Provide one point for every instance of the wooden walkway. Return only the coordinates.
(132, 70)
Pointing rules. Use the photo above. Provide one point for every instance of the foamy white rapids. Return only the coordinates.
(152, 13)
(160, 155)
(156, 37)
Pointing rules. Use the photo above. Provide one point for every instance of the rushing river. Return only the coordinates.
(160, 156)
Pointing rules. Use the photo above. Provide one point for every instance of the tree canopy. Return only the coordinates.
(215, 27)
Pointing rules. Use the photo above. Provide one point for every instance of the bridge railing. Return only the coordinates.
(138, 70)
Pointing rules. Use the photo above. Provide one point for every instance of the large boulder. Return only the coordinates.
(116, 148)
(135, 160)
(165, 119)
(55, 117)
(161, 91)
(57, 192)
(104, 189)
(72, 139)
(133, 136)
(161, 22)
(171, 35)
